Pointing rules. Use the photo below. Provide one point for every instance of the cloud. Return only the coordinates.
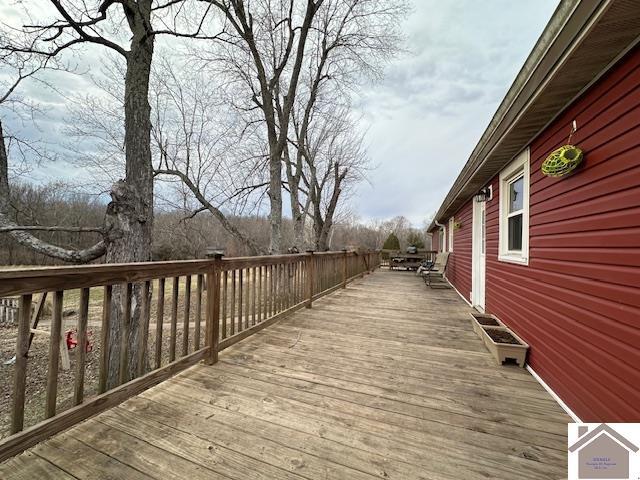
(423, 119)
(433, 105)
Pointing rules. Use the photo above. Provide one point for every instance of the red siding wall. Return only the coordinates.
(435, 240)
(578, 302)
(459, 267)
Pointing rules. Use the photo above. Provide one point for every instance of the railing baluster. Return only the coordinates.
(294, 283)
(198, 319)
(260, 294)
(271, 291)
(54, 355)
(123, 373)
(247, 306)
(310, 279)
(20, 373)
(144, 329)
(277, 279)
(289, 285)
(104, 338)
(300, 280)
(81, 347)
(174, 319)
(211, 358)
(233, 302)
(159, 321)
(225, 280)
(240, 298)
(187, 313)
(254, 286)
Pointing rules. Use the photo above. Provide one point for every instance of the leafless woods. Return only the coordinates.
(221, 108)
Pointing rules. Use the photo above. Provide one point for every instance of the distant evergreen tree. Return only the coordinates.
(415, 239)
(392, 242)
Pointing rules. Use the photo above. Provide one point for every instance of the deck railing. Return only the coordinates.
(131, 304)
(386, 255)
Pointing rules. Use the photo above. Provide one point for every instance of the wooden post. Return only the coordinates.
(54, 344)
(310, 278)
(144, 330)
(20, 376)
(123, 373)
(81, 346)
(213, 310)
(104, 337)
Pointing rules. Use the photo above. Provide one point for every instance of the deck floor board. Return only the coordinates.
(385, 379)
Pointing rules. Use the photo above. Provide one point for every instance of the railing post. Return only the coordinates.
(310, 278)
(213, 309)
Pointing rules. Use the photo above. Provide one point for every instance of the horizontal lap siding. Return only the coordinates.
(435, 240)
(459, 267)
(578, 302)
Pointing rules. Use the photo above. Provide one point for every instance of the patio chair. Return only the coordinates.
(434, 276)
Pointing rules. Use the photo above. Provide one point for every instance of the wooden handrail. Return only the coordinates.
(39, 279)
(243, 296)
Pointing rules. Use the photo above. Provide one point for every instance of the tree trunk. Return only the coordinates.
(297, 213)
(275, 197)
(130, 213)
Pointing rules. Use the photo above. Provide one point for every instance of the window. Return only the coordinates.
(514, 211)
(441, 240)
(451, 223)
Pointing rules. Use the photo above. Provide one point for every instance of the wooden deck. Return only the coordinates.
(384, 379)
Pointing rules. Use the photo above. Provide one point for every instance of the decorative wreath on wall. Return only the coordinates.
(565, 159)
(562, 161)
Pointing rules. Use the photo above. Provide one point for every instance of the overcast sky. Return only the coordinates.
(426, 116)
(434, 104)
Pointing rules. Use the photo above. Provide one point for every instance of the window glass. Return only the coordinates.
(515, 233)
(516, 195)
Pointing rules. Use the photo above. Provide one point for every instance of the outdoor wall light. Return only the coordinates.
(483, 195)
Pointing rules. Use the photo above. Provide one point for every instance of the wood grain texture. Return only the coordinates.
(81, 347)
(20, 372)
(159, 322)
(104, 338)
(30, 436)
(384, 379)
(54, 354)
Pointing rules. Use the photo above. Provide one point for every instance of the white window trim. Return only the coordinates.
(441, 240)
(451, 223)
(520, 166)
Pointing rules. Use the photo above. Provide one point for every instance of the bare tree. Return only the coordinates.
(126, 28)
(265, 51)
(350, 41)
(199, 149)
(336, 159)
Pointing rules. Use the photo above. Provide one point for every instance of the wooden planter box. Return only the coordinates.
(476, 322)
(504, 351)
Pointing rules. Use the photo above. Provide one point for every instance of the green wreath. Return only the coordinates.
(562, 161)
